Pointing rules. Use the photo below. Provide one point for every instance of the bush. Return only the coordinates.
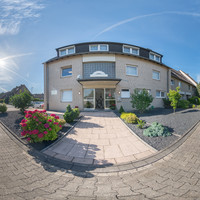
(77, 112)
(194, 100)
(69, 114)
(155, 130)
(174, 97)
(3, 107)
(167, 103)
(129, 118)
(1, 100)
(22, 100)
(183, 104)
(141, 124)
(37, 126)
(121, 110)
(61, 122)
(193, 106)
(141, 100)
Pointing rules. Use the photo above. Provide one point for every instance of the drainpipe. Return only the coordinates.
(46, 87)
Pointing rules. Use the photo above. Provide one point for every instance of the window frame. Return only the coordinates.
(156, 72)
(133, 66)
(180, 84)
(172, 80)
(64, 101)
(131, 50)
(160, 96)
(123, 90)
(67, 51)
(98, 47)
(154, 56)
(66, 67)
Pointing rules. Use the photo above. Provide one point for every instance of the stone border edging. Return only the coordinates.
(98, 169)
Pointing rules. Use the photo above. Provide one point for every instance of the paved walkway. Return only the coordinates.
(176, 177)
(100, 138)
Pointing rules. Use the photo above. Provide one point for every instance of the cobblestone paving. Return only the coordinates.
(176, 177)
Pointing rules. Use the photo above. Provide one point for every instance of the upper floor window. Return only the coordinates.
(156, 75)
(131, 70)
(188, 87)
(66, 51)
(154, 56)
(179, 83)
(172, 81)
(98, 47)
(67, 71)
(160, 94)
(125, 93)
(131, 50)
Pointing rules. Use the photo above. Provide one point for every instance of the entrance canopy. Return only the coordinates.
(99, 83)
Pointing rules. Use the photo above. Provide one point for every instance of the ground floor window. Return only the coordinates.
(160, 94)
(125, 93)
(88, 98)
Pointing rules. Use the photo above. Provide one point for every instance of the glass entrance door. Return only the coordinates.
(110, 98)
(99, 98)
(89, 98)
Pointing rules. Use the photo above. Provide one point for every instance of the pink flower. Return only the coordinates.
(60, 126)
(28, 139)
(37, 120)
(52, 115)
(23, 133)
(23, 124)
(29, 112)
(57, 117)
(34, 117)
(40, 122)
(45, 132)
(46, 125)
(23, 121)
(56, 123)
(40, 135)
(49, 120)
(28, 116)
(25, 112)
(35, 131)
(50, 129)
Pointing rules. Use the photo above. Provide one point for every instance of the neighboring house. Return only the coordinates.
(98, 75)
(185, 82)
(39, 96)
(14, 91)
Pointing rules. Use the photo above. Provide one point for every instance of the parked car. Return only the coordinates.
(38, 104)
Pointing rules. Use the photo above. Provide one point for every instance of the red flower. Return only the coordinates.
(23, 121)
(52, 115)
(35, 132)
(60, 126)
(46, 125)
(40, 135)
(57, 117)
(45, 132)
(34, 117)
(23, 124)
(28, 139)
(49, 120)
(23, 133)
(28, 116)
(50, 129)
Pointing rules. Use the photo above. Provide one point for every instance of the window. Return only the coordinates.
(188, 87)
(160, 94)
(154, 56)
(66, 96)
(66, 71)
(66, 51)
(98, 47)
(131, 70)
(125, 93)
(156, 75)
(131, 50)
(179, 83)
(172, 82)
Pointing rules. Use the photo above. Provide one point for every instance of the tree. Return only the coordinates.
(141, 100)
(174, 97)
(21, 100)
(198, 89)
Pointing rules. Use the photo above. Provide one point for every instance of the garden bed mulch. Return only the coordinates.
(12, 119)
(178, 124)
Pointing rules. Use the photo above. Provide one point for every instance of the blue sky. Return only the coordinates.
(30, 30)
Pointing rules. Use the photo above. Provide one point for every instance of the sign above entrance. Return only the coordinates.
(99, 74)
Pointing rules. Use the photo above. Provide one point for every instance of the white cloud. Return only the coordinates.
(198, 78)
(144, 16)
(14, 12)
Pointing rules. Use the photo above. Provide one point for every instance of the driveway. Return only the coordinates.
(100, 138)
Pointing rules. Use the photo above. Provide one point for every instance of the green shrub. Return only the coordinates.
(129, 118)
(198, 107)
(37, 126)
(141, 124)
(141, 100)
(174, 97)
(156, 129)
(1, 100)
(77, 112)
(121, 110)
(3, 107)
(69, 114)
(22, 100)
(194, 100)
(166, 102)
(183, 104)
(61, 122)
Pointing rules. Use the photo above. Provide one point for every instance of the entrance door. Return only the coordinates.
(99, 98)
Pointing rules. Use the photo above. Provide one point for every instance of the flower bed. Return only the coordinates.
(37, 126)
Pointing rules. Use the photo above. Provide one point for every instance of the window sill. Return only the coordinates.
(66, 76)
(131, 75)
